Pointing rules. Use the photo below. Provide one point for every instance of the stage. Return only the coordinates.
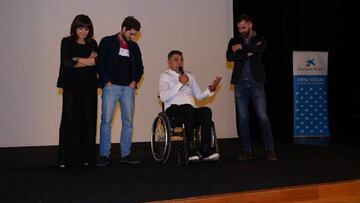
(29, 174)
(340, 191)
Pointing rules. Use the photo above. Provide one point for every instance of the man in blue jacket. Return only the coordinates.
(120, 68)
(248, 77)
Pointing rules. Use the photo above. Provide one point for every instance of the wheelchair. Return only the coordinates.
(166, 131)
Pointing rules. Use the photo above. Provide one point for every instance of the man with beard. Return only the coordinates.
(120, 68)
(248, 77)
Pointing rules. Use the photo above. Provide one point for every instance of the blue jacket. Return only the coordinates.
(108, 52)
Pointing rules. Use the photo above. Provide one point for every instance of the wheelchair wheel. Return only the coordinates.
(213, 142)
(161, 138)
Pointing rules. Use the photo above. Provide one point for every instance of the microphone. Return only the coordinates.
(181, 70)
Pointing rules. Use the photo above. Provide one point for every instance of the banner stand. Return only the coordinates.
(324, 141)
(311, 123)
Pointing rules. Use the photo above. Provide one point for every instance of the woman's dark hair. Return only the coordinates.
(173, 52)
(243, 17)
(131, 23)
(82, 21)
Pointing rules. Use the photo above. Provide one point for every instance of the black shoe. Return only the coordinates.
(245, 156)
(270, 155)
(102, 161)
(130, 159)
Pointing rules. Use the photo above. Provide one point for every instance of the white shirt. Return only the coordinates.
(173, 92)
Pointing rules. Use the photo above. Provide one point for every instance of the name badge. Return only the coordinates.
(124, 52)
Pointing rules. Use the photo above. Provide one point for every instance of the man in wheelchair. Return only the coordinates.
(178, 90)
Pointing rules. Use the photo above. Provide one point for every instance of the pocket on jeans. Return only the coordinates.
(107, 89)
(130, 88)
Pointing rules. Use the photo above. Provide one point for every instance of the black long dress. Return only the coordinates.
(79, 110)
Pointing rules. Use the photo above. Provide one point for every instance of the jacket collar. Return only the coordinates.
(116, 37)
(171, 72)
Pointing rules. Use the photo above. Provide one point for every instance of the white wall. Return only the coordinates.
(30, 103)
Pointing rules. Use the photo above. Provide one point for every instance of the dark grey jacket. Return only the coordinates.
(257, 46)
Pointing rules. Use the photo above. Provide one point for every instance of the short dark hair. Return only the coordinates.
(81, 21)
(243, 17)
(131, 23)
(173, 52)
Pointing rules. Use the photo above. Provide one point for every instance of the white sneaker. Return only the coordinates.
(213, 157)
(194, 158)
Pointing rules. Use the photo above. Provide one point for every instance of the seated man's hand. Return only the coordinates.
(215, 83)
(183, 79)
(109, 83)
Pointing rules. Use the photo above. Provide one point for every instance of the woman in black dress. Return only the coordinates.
(78, 78)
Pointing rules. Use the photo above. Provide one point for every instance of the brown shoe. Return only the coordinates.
(270, 155)
(244, 156)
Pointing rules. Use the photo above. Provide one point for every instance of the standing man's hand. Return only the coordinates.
(183, 79)
(93, 54)
(132, 85)
(108, 84)
(236, 47)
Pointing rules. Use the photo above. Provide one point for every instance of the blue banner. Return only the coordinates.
(310, 94)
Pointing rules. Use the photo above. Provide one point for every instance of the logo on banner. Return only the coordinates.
(310, 62)
(310, 65)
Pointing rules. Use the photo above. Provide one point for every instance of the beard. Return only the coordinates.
(245, 34)
(124, 37)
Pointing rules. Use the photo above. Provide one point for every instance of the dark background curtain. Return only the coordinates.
(307, 26)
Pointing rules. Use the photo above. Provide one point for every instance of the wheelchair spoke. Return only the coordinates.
(160, 141)
(160, 138)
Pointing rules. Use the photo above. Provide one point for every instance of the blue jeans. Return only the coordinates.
(244, 90)
(110, 96)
